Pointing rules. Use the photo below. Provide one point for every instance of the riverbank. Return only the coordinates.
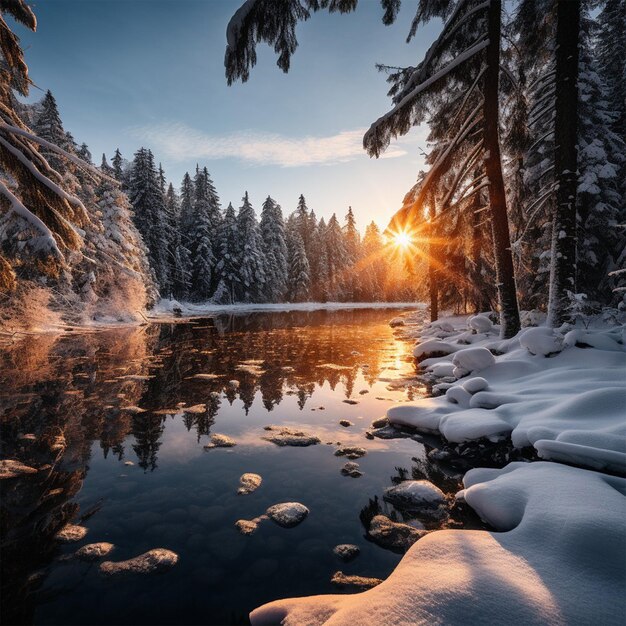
(556, 553)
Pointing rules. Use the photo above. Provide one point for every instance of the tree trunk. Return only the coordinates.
(563, 257)
(432, 270)
(505, 278)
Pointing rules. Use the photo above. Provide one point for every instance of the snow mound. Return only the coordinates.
(433, 347)
(472, 360)
(558, 560)
(541, 341)
(480, 324)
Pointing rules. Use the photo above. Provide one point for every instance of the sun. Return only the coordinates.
(402, 240)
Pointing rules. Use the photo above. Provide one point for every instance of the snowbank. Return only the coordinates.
(558, 561)
(565, 395)
(166, 308)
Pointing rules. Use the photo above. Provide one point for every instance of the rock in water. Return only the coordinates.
(346, 551)
(359, 582)
(70, 533)
(284, 436)
(415, 494)
(94, 551)
(220, 441)
(10, 468)
(345, 423)
(351, 469)
(393, 535)
(249, 483)
(352, 452)
(287, 514)
(350, 401)
(247, 526)
(157, 560)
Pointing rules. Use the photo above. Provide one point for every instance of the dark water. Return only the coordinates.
(71, 393)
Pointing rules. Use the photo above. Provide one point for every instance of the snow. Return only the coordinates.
(471, 360)
(165, 308)
(287, 514)
(414, 494)
(556, 559)
(570, 407)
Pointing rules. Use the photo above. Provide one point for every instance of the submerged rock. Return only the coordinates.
(415, 494)
(351, 401)
(71, 532)
(346, 551)
(345, 423)
(284, 436)
(389, 432)
(220, 441)
(287, 514)
(94, 551)
(359, 582)
(351, 469)
(393, 535)
(351, 452)
(249, 483)
(157, 560)
(10, 468)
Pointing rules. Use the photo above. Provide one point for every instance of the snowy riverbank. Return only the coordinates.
(557, 556)
(168, 308)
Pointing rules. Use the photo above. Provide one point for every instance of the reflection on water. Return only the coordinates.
(102, 417)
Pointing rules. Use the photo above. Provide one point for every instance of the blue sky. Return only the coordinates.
(128, 73)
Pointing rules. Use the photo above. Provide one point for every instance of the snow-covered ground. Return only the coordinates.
(167, 308)
(559, 553)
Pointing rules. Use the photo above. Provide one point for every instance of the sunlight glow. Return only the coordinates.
(402, 240)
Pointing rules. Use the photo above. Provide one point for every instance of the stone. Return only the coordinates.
(414, 495)
(350, 401)
(393, 535)
(351, 452)
(220, 441)
(380, 422)
(351, 469)
(71, 532)
(153, 561)
(249, 483)
(94, 551)
(358, 582)
(248, 526)
(287, 514)
(284, 436)
(346, 551)
(345, 423)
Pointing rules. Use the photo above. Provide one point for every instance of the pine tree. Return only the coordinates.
(149, 215)
(178, 254)
(352, 240)
(338, 259)
(48, 126)
(203, 226)
(274, 246)
(228, 264)
(251, 263)
(299, 280)
(84, 153)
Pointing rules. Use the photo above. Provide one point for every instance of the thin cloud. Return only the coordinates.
(180, 142)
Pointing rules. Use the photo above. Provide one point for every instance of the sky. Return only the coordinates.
(131, 73)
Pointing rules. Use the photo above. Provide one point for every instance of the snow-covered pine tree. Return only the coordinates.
(177, 253)
(48, 126)
(105, 167)
(372, 271)
(203, 226)
(84, 153)
(352, 240)
(274, 247)
(250, 254)
(299, 279)
(338, 260)
(149, 215)
(319, 264)
(121, 169)
(228, 253)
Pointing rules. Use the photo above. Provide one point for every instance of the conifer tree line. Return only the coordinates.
(523, 204)
(201, 252)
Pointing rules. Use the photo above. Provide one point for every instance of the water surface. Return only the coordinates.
(77, 395)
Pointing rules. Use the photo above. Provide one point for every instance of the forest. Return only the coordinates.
(522, 206)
